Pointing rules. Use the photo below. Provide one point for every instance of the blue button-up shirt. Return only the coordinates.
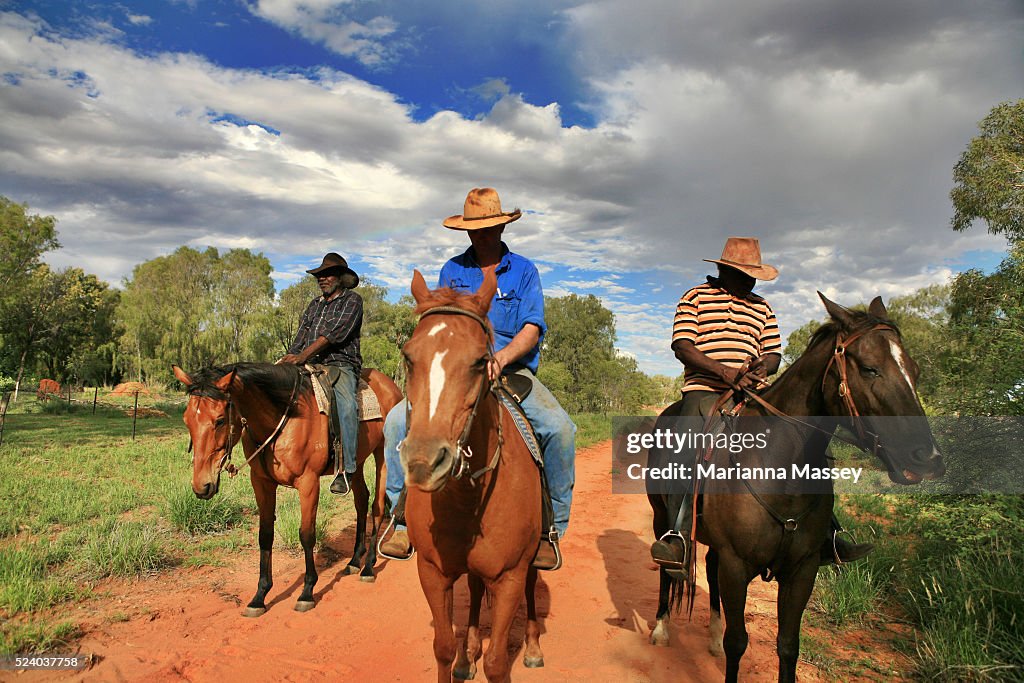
(518, 301)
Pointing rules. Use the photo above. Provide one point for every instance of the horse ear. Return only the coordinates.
(840, 314)
(225, 382)
(485, 294)
(182, 376)
(877, 309)
(419, 288)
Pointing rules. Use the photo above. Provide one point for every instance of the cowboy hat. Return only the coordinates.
(744, 254)
(336, 262)
(482, 210)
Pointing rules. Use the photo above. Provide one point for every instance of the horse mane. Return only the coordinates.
(277, 382)
(445, 296)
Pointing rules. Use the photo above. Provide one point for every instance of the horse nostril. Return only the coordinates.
(442, 456)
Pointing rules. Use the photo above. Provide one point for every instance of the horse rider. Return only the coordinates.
(517, 316)
(718, 327)
(328, 334)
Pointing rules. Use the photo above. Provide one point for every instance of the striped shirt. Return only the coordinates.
(340, 321)
(725, 328)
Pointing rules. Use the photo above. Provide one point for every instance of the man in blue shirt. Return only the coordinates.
(517, 316)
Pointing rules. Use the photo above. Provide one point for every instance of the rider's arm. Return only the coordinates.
(530, 321)
(521, 344)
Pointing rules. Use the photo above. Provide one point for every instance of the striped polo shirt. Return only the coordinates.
(725, 328)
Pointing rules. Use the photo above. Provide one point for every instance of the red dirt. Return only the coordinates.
(597, 613)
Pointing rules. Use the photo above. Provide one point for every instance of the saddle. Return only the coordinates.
(323, 379)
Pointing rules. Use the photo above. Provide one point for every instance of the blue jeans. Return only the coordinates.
(555, 431)
(345, 396)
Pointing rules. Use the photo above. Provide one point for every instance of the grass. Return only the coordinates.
(120, 548)
(196, 517)
(36, 637)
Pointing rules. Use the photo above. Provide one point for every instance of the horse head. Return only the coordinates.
(446, 361)
(870, 380)
(212, 423)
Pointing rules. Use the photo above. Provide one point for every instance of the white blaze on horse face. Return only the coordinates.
(437, 328)
(436, 380)
(897, 354)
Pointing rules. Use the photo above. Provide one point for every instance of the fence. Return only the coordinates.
(133, 401)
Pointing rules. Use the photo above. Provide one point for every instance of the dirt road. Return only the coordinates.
(597, 612)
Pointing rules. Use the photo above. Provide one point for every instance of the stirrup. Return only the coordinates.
(380, 544)
(552, 540)
(672, 565)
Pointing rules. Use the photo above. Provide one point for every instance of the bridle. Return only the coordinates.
(225, 460)
(463, 452)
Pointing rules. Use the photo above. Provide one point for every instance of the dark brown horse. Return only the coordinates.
(856, 370)
(286, 444)
(474, 496)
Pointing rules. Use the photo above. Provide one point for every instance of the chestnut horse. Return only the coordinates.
(272, 409)
(473, 491)
(856, 370)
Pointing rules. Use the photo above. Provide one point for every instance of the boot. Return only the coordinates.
(549, 556)
(837, 546)
(398, 546)
(342, 484)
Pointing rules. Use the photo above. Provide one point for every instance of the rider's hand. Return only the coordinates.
(734, 379)
(496, 365)
(290, 359)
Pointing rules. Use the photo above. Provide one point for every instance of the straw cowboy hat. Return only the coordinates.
(337, 262)
(482, 210)
(744, 254)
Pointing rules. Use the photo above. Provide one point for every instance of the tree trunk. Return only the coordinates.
(21, 372)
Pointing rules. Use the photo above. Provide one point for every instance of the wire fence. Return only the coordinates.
(133, 400)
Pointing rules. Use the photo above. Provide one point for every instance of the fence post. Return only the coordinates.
(69, 397)
(3, 414)
(95, 395)
(135, 414)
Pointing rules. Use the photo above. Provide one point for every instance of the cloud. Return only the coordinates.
(329, 22)
(826, 129)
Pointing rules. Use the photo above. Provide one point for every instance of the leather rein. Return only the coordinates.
(463, 452)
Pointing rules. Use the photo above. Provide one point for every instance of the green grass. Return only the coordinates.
(36, 637)
(26, 579)
(592, 428)
(118, 548)
(196, 517)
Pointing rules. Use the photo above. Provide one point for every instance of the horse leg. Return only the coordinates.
(437, 588)
(266, 502)
(733, 579)
(309, 499)
(507, 592)
(465, 665)
(376, 513)
(660, 635)
(533, 658)
(714, 598)
(361, 501)
(794, 592)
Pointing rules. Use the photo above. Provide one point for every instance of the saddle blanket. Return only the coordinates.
(367, 405)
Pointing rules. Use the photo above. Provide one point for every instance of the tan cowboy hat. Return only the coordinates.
(337, 262)
(744, 254)
(482, 210)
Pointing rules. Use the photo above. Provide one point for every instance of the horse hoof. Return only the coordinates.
(304, 605)
(253, 612)
(368, 579)
(467, 674)
(533, 662)
(349, 570)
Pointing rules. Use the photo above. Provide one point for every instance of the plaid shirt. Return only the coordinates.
(340, 320)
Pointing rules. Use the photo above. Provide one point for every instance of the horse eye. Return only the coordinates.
(481, 362)
(870, 371)
(220, 421)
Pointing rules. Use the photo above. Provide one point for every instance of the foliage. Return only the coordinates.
(990, 174)
(23, 239)
(198, 517)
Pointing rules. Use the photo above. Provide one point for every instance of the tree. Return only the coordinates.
(23, 239)
(990, 174)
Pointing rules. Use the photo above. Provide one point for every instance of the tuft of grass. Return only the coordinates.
(847, 594)
(118, 548)
(27, 579)
(196, 517)
(592, 428)
(289, 516)
(35, 637)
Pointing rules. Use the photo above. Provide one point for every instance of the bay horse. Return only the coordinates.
(473, 501)
(272, 410)
(856, 373)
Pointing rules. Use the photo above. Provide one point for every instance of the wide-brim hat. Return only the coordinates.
(335, 261)
(744, 254)
(481, 210)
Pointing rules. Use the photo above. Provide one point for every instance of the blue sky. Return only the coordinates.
(635, 136)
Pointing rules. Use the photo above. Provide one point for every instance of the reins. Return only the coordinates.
(463, 453)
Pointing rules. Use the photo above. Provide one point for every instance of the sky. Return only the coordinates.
(635, 135)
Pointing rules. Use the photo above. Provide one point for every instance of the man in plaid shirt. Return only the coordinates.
(329, 335)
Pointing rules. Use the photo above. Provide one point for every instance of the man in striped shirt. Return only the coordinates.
(718, 327)
(329, 334)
